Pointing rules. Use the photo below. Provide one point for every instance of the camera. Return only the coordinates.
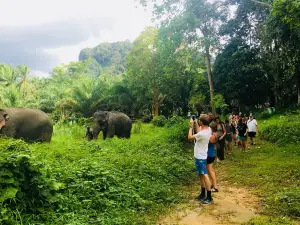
(193, 117)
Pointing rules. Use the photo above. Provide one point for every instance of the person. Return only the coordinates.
(200, 155)
(242, 133)
(212, 122)
(231, 116)
(211, 156)
(221, 133)
(252, 129)
(233, 127)
(228, 137)
(89, 133)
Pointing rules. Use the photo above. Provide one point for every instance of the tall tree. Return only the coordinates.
(197, 22)
(143, 70)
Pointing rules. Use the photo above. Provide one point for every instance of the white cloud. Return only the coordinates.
(123, 19)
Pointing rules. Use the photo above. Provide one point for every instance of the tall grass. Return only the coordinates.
(271, 171)
(116, 181)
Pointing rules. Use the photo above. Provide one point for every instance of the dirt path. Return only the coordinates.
(231, 206)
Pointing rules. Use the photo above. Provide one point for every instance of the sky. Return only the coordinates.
(45, 33)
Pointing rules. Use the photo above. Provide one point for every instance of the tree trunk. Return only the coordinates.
(156, 102)
(211, 86)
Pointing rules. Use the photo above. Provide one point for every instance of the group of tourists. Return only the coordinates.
(209, 133)
(242, 127)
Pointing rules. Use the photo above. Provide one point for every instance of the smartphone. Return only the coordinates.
(193, 117)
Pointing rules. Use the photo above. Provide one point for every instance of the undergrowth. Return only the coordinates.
(273, 173)
(282, 129)
(115, 181)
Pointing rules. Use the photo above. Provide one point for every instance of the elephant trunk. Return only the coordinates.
(96, 131)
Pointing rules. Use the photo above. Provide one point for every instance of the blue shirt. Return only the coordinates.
(211, 150)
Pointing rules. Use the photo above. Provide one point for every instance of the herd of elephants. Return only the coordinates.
(33, 125)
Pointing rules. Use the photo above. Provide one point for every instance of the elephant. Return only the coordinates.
(111, 123)
(31, 125)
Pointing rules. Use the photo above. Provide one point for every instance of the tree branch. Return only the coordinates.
(262, 3)
(161, 100)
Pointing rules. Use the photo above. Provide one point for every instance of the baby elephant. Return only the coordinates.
(111, 124)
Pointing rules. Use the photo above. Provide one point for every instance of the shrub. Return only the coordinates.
(85, 121)
(137, 127)
(282, 130)
(159, 121)
(177, 129)
(264, 114)
(72, 181)
(23, 188)
(147, 118)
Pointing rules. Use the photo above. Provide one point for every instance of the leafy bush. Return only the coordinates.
(282, 130)
(85, 121)
(177, 129)
(115, 181)
(23, 188)
(264, 114)
(159, 121)
(137, 127)
(147, 118)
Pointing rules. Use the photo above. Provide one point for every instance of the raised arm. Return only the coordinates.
(190, 134)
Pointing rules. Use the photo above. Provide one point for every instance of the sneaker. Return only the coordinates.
(200, 198)
(207, 201)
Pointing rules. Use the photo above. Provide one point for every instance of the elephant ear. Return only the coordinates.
(106, 117)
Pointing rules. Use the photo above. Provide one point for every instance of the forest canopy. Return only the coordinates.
(199, 58)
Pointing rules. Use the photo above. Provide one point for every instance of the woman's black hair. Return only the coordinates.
(240, 121)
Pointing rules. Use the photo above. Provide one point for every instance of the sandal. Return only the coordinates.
(213, 189)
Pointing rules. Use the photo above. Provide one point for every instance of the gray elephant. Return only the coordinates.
(31, 125)
(111, 124)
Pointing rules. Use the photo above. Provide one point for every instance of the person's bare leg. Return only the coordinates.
(230, 147)
(243, 145)
(207, 182)
(212, 174)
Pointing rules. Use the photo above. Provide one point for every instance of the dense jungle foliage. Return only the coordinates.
(201, 56)
(178, 66)
(108, 58)
(72, 181)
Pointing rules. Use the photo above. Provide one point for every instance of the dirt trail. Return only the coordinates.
(231, 206)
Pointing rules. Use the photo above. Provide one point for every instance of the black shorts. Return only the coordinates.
(210, 160)
(252, 134)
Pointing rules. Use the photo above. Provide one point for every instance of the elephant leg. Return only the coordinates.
(104, 134)
(111, 131)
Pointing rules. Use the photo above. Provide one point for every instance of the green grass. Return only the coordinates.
(272, 172)
(105, 182)
(73, 181)
(282, 129)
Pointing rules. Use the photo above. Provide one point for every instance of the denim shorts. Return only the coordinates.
(200, 166)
